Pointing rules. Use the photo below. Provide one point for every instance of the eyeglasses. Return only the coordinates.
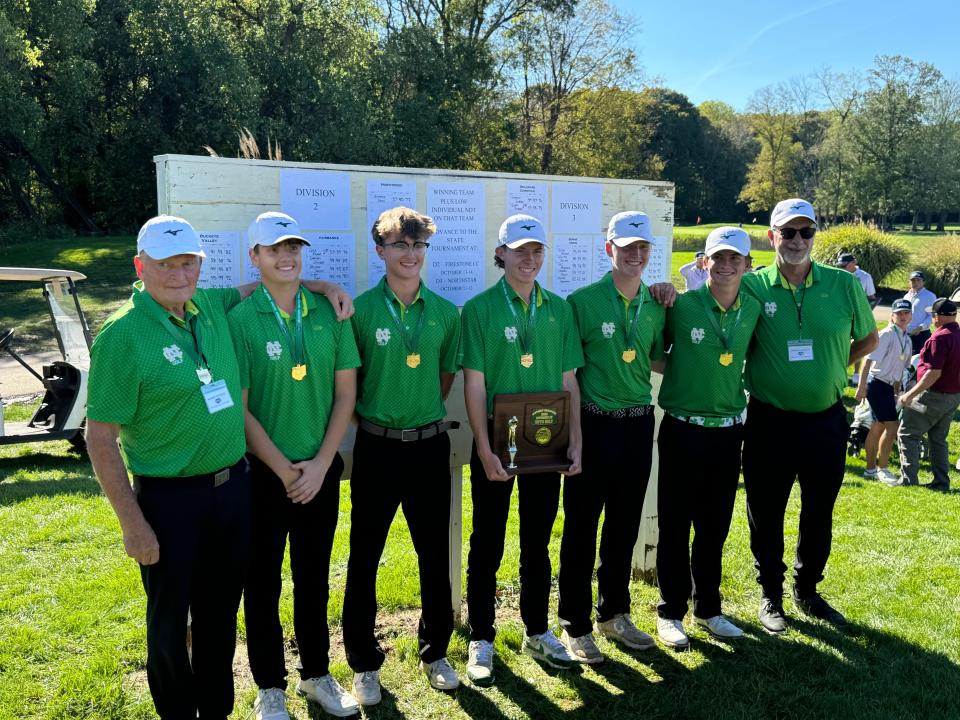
(400, 246)
(789, 233)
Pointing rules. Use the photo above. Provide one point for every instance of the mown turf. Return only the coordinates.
(72, 644)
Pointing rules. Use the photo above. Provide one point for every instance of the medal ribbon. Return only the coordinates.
(295, 343)
(410, 340)
(631, 329)
(904, 340)
(526, 335)
(717, 326)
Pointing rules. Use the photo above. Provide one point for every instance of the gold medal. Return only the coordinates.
(526, 360)
(726, 358)
(298, 372)
(413, 359)
(629, 355)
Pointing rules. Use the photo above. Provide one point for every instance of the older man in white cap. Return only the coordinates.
(621, 330)
(815, 322)
(164, 381)
(517, 337)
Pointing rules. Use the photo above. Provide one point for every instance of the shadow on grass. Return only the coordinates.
(16, 484)
(811, 671)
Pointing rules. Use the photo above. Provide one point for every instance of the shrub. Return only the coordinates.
(693, 240)
(939, 259)
(876, 252)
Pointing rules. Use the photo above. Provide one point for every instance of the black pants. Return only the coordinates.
(919, 339)
(778, 448)
(539, 502)
(616, 467)
(388, 474)
(697, 485)
(204, 535)
(311, 528)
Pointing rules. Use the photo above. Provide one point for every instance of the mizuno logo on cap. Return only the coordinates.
(172, 232)
(282, 223)
(528, 227)
(637, 224)
(728, 234)
(796, 206)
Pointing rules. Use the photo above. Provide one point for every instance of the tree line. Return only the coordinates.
(91, 91)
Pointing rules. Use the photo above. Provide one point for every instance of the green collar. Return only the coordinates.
(388, 291)
(608, 279)
(777, 277)
(144, 300)
(705, 290)
(263, 305)
(541, 297)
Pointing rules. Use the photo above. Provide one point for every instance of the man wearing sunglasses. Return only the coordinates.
(408, 338)
(815, 321)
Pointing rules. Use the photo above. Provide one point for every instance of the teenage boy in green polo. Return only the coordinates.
(517, 337)
(621, 330)
(703, 401)
(408, 339)
(298, 374)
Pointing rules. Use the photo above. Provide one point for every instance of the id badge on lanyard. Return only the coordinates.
(217, 396)
(799, 350)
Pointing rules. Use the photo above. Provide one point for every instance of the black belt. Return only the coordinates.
(410, 434)
(214, 479)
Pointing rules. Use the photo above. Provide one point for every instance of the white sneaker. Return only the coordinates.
(546, 648)
(719, 627)
(441, 675)
(870, 473)
(330, 695)
(886, 476)
(366, 687)
(480, 663)
(583, 649)
(621, 628)
(671, 633)
(271, 704)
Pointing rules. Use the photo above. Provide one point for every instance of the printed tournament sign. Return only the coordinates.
(319, 200)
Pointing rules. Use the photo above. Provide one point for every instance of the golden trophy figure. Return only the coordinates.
(512, 442)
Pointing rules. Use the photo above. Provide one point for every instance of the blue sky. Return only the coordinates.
(726, 50)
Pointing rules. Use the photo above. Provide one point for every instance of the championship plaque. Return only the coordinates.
(531, 431)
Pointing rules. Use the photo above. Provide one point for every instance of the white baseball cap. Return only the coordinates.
(628, 227)
(727, 238)
(787, 210)
(518, 230)
(271, 228)
(164, 236)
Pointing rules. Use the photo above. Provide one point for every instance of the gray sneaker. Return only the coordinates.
(271, 704)
(583, 649)
(621, 628)
(547, 649)
(330, 695)
(480, 663)
(366, 687)
(719, 627)
(441, 675)
(672, 634)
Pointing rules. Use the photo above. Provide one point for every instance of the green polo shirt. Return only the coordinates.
(294, 413)
(492, 341)
(603, 316)
(695, 383)
(390, 393)
(833, 309)
(143, 379)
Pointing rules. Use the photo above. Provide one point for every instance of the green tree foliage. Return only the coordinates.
(939, 260)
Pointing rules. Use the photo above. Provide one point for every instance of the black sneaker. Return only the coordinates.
(772, 617)
(815, 606)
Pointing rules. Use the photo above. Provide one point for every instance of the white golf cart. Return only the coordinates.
(63, 410)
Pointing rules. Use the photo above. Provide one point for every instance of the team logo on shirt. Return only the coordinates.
(696, 335)
(608, 329)
(383, 336)
(173, 354)
(770, 308)
(274, 349)
(510, 333)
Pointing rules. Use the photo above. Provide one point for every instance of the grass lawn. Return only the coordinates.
(71, 624)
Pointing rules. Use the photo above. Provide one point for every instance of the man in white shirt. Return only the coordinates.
(880, 383)
(695, 273)
(848, 262)
(920, 298)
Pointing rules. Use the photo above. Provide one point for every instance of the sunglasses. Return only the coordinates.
(789, 233)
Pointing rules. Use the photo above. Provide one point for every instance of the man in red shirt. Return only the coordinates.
(928, 407)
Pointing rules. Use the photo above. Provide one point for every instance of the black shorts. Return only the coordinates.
(882, 401)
